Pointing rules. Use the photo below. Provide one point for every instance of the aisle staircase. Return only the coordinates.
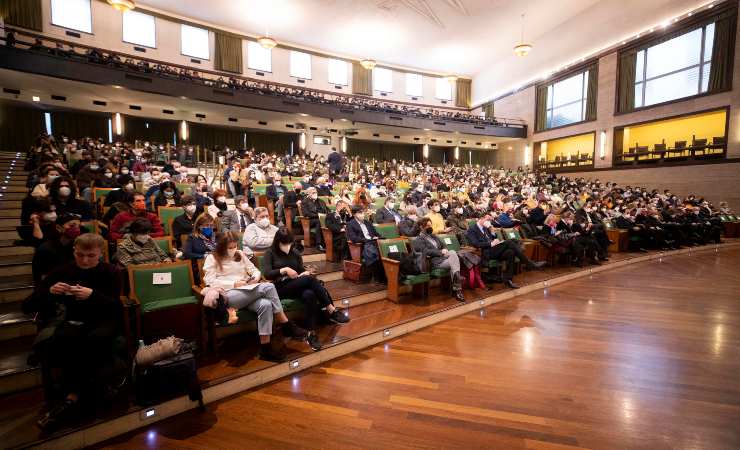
(16, 329)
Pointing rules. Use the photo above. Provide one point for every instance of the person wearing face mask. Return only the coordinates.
(155, 177)
(137, 247)
(107, 178)
(183, 224)
(57, 251)
(323, 189)
(361, 231)
(336, 222)
(438, 221)
(387, 214)
(291, 200)
(219, 200)
(237, 280)
(62, 193)
(283, 265)
(85, 178)
(480, 236)
(306, 182)
(311, 207)
(408, 227)
(258, 236)
(458, 223)
(362, 197)
(430, 246)
(237, 219)
(168, 195)
(137, 209)
(276, 194)
(49, 173)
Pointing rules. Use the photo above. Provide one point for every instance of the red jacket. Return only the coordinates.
(123, 219)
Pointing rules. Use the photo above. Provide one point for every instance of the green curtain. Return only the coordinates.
(720, 73)
(488, 110)
(541, 108)
(272, 143)
(481, 157)
(19, 127)
(464, 92)
(150, 130)
(382, 151)
(22, 13)
(76, 124)
(213, 137)
(362, 80)
(626, 81)
(592, 92)
(437, 155)
(228, 53)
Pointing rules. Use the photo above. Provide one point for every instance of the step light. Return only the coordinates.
(294, 364)
(386, 332)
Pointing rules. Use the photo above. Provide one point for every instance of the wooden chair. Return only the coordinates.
(619, 237)
(328, 238)
(529, 246)
(165, 302)
(419, 283)
(387, 230)
(98, 197)
(164, 242)
(659, 150)
(679, 147)
(167, 215)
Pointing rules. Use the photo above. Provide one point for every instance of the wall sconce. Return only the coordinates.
(343, 144)
(457, 153)
(425, 151)
(527, 155)
(302, 141)
(602, 144)
(119, 124)
(184, 131)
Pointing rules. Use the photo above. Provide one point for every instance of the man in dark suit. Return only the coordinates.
(336, 162)
(337, 223)
(537, 214)
(275, 193)
(479, 235)
(387, 214)
(311, 207)
(361, 231)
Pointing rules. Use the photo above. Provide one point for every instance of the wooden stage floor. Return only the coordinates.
(646, 356)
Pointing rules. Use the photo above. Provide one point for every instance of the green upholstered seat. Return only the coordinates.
(415, 279)
(499, 234)
(167, 303)
(184, 188)
(331, 207)
(450, 241)
(439, 273)
(158, 296)
(260, 189)
(165, 243)
(511, 234)
(388, 246)
(101, 193)
(471, 222)
(379, 202)
(387, 230)
(166, 215)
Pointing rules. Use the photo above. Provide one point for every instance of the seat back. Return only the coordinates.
(165, 243)
(659, 147)
(512, 234)
(498, 234)
(679, 145)
(387, 230)
(146, 289)
(450, 241)
(641, 149)
(260, 189)
(387, 246)
(166, 215)
(471, 222)
(184, 188)
(379, 202)
(322, 219)
(101, 193)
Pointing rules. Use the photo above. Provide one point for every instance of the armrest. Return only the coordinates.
(128, 302)
(197, 290)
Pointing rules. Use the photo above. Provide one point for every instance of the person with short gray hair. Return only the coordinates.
(258, 236)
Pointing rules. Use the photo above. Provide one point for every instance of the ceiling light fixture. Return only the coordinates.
(122, 5)
(368, 64)
(267, 42)
(36, 98)
(522, 48)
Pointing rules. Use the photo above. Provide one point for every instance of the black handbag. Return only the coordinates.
(167, 379)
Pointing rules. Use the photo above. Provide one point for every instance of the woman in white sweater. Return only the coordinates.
(229, 269)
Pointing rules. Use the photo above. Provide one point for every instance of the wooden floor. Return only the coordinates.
(646, 356)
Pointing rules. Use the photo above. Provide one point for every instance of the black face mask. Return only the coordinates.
(297, 191)
(221, 205)
(428, 230)
(362, 197)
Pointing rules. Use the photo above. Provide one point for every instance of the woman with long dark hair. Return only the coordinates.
(230, 271)
(283, 264)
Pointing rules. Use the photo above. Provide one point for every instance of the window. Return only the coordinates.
(338, 72)
(443, 89)
(383, 80)
(194, 42)
(414, 85)
(675, 68)
(300, 65)
(566, 101)
(258, 57)
(73, 14)
(139, 29)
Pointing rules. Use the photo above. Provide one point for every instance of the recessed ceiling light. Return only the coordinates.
(624, 42)
(711, 5)
(426, 129)
(675, 19)
(665, 24)
(691, 14)
(651, 30)
(115, 86)
(36, 98)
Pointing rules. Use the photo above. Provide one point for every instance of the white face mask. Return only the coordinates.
(190, 209)
(360, 217)
(285, 247)
(243, 206)
(65, 191)
(487, 224)
(444, 205)
(412, 216)
(232, 252)
(459, 210)
(435, 209)
(50, 217)
(263, 222)
(314, 196)
(391, 205)
(130, 187)
(124, 171)
(108, 175)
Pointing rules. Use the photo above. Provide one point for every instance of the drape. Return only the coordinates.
(481, 157)
(213, 137)
(541, 108)
(272, 143)
(19, 127)
(76, 124)
(436, 155)
(362, 80)
(626, 81)
(488, 110)
(464, 92)
(382, 151)
(723, 51)
(22, 13)
(228, 53)
(592, 93)
(160, 131)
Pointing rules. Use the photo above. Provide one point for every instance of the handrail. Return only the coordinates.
(194, 74)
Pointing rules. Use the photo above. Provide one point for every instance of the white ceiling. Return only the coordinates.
(465, 37)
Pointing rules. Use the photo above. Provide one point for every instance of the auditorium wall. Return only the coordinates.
(108, 31)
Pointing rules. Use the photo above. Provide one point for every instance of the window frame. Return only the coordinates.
(123, 28)
(406, 87)
(390, 91)
(290, 65)
(51, 13)
(642, 83)
(208, 46)
(249, 67)
(346, 72)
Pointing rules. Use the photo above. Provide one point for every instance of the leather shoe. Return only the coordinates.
(459, 295)
(537, 265)
(511, 284)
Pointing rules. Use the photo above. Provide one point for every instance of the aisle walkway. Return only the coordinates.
(646, 356)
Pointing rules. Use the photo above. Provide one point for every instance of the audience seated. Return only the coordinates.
(283, 264)
(259, 235)
(182, 225)
(202, 240)
(361, 231)
(407, 227)
(336, 222)
(311, 207)
(387, 214)
(436, 218)
(137, 247)
(56, 251)
(120, 223)
(238, 281)
(168, 195)
(430, 246)
(63, 194)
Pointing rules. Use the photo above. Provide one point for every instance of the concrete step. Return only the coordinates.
(8, 235)
(10, 223)
(14, 188)
(13, 195)
(12, 265)
(10, 213)
(15, 373)
(10, 204)
(15, 325)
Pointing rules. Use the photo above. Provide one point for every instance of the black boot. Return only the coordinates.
(291, 330)
(268, 353)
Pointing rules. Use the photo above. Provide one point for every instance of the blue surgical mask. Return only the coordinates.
(206, 231)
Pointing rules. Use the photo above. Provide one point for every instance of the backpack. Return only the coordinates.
(410, 262)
